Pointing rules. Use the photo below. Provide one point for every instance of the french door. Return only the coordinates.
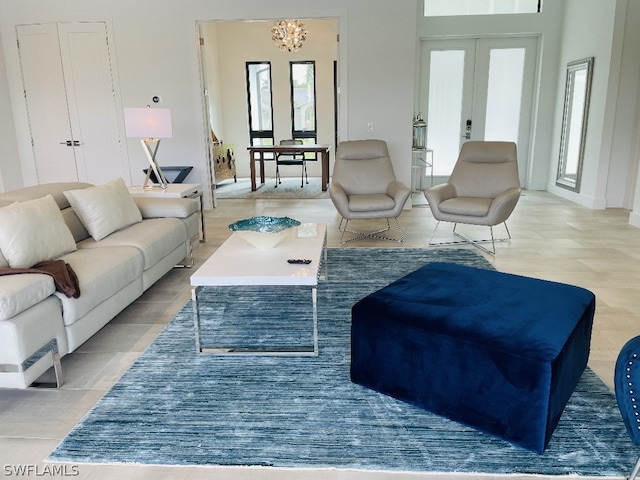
(477, 89)
(70, 98)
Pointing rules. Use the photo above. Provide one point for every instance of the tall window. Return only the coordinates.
(260, 104)
(303, 102)
(436, 8)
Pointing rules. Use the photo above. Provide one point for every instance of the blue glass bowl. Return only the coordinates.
(264, 232)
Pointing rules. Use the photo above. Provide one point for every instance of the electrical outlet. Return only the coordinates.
(370, 127)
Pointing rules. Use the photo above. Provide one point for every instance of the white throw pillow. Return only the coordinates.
(33, 231)
(103, 209)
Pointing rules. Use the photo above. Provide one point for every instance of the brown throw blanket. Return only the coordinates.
(64, 277)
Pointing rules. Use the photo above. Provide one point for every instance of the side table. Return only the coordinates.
(419, 165)
(175, 190)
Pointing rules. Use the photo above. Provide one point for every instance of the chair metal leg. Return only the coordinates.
(304, 174)
(475, 243)
(635, 471)
(375, 234)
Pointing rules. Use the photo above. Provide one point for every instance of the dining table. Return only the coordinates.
(257, 155)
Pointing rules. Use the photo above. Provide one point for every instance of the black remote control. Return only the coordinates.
(302, 261)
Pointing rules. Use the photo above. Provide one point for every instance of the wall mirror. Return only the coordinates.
(574, 123)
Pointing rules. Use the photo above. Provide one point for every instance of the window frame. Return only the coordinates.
(304, 134)
(425, 14)
(262, 134)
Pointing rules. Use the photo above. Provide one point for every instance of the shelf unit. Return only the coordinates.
(422, 160)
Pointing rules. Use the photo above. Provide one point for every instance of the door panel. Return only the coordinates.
(46, 103)
(89, 91)
(448, 75)
(503, 99)
(71, 106)
(489, 98)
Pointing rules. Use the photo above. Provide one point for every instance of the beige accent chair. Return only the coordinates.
(291, 159)
(364, 186)
(483, 189)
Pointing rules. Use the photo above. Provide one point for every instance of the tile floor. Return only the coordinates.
(552, 239)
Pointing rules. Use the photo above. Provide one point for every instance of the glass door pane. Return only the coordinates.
(504, 94)
(444, 114)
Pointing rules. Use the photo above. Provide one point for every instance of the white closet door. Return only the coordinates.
(46, 103)
(70, 97)
(92, 109)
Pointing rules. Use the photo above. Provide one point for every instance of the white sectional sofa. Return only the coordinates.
(116, 245)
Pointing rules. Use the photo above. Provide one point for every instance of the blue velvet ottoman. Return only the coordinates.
(498, 352)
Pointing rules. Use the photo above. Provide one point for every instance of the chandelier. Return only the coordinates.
(288, 35)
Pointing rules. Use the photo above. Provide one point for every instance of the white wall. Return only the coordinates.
(621, 180)
(10, 172)
(588, 31)
(212, 73)
(631, 64)
(155, 45)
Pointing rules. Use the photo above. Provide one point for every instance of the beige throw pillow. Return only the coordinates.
(33, 231)
(104, 209)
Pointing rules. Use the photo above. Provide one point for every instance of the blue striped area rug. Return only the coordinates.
(175, 407)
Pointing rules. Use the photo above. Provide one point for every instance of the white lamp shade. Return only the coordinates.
(148, 122)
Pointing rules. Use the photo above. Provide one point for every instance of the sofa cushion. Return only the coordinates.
(38, 191)
(20, 292)
(155, 238)
(33, 231)
(101, 275)
(75, 225)
(104, 209)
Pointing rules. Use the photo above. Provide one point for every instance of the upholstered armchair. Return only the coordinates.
(483, 189)
(626, 380)
(364, 186)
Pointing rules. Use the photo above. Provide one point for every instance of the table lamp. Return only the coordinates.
(150, 124)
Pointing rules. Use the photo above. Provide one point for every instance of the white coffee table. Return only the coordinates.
(237, 263)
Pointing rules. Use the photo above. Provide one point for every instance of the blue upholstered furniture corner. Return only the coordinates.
(627, 388)
(499, 352)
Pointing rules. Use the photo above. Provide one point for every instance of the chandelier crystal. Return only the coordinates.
(288, 35)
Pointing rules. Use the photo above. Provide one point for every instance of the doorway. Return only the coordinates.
(477, 89)
(226, 48)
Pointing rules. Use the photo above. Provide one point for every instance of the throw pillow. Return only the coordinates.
(104, 209)
(33, 231)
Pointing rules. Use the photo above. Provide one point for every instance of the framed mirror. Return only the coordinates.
(574, 123)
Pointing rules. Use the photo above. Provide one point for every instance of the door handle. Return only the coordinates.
(467, 134)
(68, 143)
